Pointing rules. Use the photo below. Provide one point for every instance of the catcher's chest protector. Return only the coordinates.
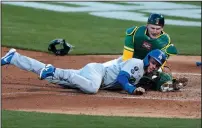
(142, 44)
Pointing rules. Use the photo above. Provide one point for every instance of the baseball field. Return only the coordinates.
(96, 30)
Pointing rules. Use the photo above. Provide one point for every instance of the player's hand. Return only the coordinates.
(139, 91)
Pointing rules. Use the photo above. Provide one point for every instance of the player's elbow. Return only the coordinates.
(123, 78)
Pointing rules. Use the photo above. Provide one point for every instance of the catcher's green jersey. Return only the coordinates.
(138, 44)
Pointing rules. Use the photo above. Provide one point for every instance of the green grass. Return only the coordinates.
(32, 29)
(121, 3)
(17, 119)
(198, 3)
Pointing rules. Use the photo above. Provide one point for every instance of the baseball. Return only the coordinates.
(180, 84)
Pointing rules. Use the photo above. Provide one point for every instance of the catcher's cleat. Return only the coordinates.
(49, 70)
(7, 58)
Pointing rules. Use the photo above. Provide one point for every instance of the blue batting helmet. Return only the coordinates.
(156, 54)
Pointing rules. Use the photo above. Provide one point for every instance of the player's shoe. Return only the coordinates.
(7, 58)
(49, 70)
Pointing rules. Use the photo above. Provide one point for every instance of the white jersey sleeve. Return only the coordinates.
(134, 67)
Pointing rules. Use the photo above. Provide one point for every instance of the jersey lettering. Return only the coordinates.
(146, 45)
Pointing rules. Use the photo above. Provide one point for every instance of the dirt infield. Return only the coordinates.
(22, 90)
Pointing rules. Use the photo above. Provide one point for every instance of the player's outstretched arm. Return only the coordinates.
(123, 79)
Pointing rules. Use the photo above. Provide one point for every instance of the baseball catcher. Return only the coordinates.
(139, 41)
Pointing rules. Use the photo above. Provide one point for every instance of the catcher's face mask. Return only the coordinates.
(59, 47)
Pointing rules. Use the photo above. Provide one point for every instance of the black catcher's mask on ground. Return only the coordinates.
(64, 47)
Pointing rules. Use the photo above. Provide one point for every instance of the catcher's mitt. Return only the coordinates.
(64, 48)
(162, 81)
(174, 85)
(179, 83)
(168, 83)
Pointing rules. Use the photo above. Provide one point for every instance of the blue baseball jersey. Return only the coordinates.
(134, 67)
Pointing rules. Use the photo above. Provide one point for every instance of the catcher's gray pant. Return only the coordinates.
(88, 79)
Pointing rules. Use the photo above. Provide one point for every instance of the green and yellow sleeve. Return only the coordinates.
(128, 50)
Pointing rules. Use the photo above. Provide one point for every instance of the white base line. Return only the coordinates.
(151, 98)
(121, 97)
(29, 93)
